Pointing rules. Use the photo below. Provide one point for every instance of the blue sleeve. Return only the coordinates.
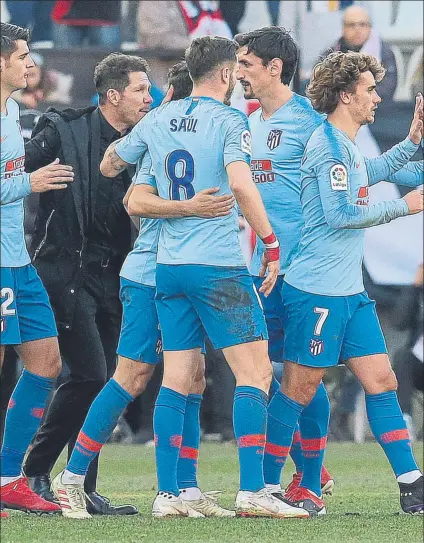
(383, 167)
(144, 175)
(237, 144)
(411, 175)
(132, 146)
(340, 212)
(14, 188)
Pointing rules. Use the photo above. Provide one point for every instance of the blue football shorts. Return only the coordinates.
(26, 313)
(140, 337)
(274, 310)
(323, 330)
(220, 302)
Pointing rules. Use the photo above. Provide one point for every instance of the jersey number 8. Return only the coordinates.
(179, 168)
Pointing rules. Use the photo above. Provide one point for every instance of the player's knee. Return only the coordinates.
(387, 381)
(299, 384)
(56, 366)
(140, 379)
(265, 376)
(199, 384)
(52, 366)
(133, 377)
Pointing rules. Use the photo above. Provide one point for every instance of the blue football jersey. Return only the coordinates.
(140, 264)
(278, 144)
(336, 210)
(15, 186)
(191, 142)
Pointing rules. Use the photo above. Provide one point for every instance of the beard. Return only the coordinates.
(229, 93)
(248, 92)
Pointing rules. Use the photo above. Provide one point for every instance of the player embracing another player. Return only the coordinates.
(202, 284)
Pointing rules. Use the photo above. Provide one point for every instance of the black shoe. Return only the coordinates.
(41, 484)
(99, 505)
(412, 496)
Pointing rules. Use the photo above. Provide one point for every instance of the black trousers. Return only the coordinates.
(410, 375)
(89, 350)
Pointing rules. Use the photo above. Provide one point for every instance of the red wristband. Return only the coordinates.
(270, 239)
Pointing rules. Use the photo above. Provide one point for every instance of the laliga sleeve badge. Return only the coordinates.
(338, 177)
(246, 142)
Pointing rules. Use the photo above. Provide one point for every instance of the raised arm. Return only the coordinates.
(385, 166)
(411, 175)
(125, 151)
(340, 212)
(112, 164)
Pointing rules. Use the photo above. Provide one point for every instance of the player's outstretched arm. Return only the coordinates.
(54, 176)
(145, 202)
(112, 164)
(252, 207)
(411, 175)
(340, 212)
(385, 166)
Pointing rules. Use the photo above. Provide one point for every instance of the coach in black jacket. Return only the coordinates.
(80, 241)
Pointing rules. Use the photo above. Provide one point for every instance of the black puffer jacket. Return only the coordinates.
(59, 245)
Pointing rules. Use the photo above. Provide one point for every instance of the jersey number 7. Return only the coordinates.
(323, 314)
(179, 168)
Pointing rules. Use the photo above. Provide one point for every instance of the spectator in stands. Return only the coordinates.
(358, 35)
(32, 14)
(77, 23)
(408, 361)
(274, 11)
(44, 86)
(171, 25)
(233, 12)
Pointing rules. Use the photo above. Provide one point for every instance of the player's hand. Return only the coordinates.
(168, 96)
(415, 201)
(270, 264)
(416, 130)
(273, 269)
(54, 176)
(208, 206)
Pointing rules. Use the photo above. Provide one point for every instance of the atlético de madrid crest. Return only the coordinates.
(316, 347)
(274, 138)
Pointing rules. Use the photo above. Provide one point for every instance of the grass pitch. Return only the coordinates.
(365, 506)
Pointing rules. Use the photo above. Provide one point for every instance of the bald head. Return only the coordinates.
(356, 26)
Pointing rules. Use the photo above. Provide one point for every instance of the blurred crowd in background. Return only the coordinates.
(160, 31)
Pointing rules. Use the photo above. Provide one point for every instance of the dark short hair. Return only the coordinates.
(10, 34)
(113, 71)
(339, 72)
(272, 42)
(205, 54)
(179, 78)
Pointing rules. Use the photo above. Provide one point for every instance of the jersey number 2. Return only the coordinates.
(7, 292)
(179, 168)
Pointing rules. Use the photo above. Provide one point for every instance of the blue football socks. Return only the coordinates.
(98, 426)
(24, 414)
(250, 418)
